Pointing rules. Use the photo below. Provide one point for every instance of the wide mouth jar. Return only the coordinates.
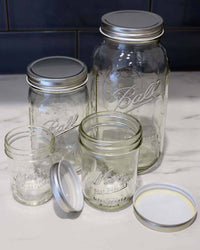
(110, 133)
(29, 142)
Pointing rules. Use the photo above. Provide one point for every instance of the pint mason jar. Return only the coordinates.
(130, 75)
(109, 147)
(58, 100)
(29, 151)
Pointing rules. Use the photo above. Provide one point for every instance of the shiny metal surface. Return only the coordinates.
(57, 74)
(132, 25)
(66, 187)
(144, 191)
(163, 228)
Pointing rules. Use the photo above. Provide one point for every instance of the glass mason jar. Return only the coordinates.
(58, 98)
(130, 72)
(110, 147)
(29, 150)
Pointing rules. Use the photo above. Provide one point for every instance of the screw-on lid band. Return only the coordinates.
(132, 25)
(57, 73)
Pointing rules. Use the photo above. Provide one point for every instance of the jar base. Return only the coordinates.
(109, 208)
(31, 200)
(154, 165)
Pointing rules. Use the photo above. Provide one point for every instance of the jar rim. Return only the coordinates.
(135, 139)
(9, 148)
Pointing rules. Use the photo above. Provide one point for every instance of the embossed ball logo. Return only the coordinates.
(129, 97)
(137, 91)
(57, 127)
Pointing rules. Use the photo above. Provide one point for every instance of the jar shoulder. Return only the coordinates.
(39, 96)
(153, 56)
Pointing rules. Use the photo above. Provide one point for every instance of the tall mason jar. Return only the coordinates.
(130, 74)
(58, 100)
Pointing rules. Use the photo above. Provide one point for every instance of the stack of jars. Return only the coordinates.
(110, 129)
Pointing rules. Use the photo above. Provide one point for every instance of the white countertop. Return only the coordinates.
(45, 227)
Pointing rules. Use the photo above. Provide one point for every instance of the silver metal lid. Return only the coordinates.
(132, 25)
(66, 187)
(57, 74)
(164, 207)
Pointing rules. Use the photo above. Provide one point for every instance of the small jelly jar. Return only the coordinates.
(29, 150)
(110, 144)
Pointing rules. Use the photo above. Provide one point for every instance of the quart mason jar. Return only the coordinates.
(58, 100)
(130, 74)
(109, 147)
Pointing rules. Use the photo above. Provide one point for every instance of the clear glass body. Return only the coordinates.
(133, 78)
(30, 151)
(110, 147)
(61, 113)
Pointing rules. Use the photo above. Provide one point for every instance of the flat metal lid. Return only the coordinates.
(57, 74)
(164, 207)
(132, 25)
(66, 187)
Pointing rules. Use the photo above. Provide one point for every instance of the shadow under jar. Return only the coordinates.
(110, 144)
(130, 75)
(29, 150)
(58, 100)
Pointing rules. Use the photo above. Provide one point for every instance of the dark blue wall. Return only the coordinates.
(30, 29)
